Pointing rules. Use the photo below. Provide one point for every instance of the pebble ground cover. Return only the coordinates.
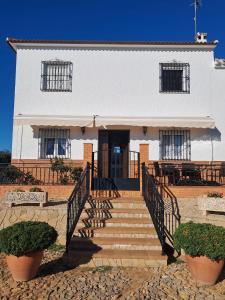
(59, 280)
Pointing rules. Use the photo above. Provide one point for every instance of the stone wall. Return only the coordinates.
(189, 211)
(55, 214)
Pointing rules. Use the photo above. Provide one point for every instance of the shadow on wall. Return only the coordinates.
(137, 133)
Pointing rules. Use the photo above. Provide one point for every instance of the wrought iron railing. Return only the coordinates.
(111, 164)
(188, 173)
(112, 169)
(162, 206)
(171, 211)
(76, 202)
(38, 174)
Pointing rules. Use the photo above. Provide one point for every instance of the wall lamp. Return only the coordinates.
(145, 129)
(83, 130)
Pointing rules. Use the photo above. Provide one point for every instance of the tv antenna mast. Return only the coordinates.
(196, 4)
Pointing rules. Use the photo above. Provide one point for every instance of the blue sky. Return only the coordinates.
(133, 20)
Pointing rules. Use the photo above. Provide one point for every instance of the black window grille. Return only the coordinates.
(174, 78)
(175, 144)
(54, 142)
(56, 76)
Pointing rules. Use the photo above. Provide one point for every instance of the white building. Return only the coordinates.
(118, 95)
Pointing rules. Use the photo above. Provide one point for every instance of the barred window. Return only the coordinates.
(56, 76)
(175, 144)
(54, 142)
(174, 78)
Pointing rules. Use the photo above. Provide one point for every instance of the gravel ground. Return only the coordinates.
(57, 281)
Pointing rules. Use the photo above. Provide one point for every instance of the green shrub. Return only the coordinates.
(76, 173)
(201, 240)
(26, 236)
(66, 172)
(10, 174)
(59, 166)
(5, 156)
(57, 248)
(215, 195)
(18, 191)
(35, 189)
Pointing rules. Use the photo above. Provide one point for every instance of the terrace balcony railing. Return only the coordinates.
(38, 174)
(167, 173)
(188, 173)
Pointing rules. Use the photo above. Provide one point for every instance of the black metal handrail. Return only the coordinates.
(154, 203)
(76, 203)
(171, 211)
(162, 206)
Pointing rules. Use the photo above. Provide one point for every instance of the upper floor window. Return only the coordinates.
(54, 142)
(56, 76)
(175, 144)
(174, 78)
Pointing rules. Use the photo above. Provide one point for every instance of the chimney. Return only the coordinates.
(201, 37)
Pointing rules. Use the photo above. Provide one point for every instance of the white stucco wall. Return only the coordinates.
(119, 82)
(26, 142)
(218, 111)
(113, 82)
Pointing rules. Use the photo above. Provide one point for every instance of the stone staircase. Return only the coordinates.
(116, 232)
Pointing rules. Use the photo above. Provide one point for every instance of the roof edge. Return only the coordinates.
(14, 43)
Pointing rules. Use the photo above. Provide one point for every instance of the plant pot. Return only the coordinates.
(204, 270)
(24, 268)
(26, 197)
(206, 204)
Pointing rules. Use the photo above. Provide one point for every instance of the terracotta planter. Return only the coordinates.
(24, 268)
(204, 270)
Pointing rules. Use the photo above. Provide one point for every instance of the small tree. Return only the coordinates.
(5, 156)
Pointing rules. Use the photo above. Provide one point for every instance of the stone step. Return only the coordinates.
(79, 243)
(115, 258)
(108, 203)
(125, 232)
(115, 213)
(115, 194)
(115, 222)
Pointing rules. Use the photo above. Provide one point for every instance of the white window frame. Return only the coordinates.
(55, 134)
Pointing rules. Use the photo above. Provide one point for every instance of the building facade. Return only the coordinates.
(118, 96)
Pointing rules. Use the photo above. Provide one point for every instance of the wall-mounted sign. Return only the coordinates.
(117, 150)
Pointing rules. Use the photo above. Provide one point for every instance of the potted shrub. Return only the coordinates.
(34, 195)
(213, 201)
(204, 247)
(23, 243)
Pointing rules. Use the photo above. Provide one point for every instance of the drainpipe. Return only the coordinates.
(21, 142)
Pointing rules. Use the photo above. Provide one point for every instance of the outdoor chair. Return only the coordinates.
(222, 173)
(191, 172)
(171, 172)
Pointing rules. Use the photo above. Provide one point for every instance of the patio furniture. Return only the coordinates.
(222, 173)
(191, 172)
(170, 171)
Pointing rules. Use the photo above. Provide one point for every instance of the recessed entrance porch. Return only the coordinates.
(114, 165)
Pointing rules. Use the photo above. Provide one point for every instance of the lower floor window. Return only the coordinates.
(175, 144)
(54, 142)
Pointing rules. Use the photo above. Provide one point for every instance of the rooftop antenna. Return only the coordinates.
(196, 4)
